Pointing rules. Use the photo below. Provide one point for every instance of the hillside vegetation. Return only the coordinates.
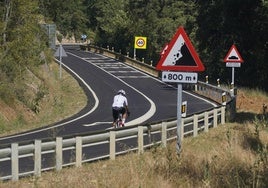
(45, 99)
(115, 23)
(231, 155)
(32, 95)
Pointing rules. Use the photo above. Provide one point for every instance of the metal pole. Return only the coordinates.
(233, 75)
(134, 55)
(178, 146)
(232, 84)
(60, 58)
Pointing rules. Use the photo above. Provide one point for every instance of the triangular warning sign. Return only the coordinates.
(233, 55)
(60, 52)
(180, 55)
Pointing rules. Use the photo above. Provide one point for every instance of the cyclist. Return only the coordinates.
(120, 105)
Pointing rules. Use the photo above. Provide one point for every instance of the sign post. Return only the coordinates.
(179, 117)
(60, 52)
(233, 59)
(179, 55)
(140, 43)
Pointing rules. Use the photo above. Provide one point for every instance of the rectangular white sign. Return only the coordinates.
(233, 64)
(179, 77)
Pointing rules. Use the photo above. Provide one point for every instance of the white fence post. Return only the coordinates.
(140, 139)
(215, 118)
(15, 161)
(223, 115)
(37, 158)
(206, 121)
(58, 153)
(164, 134)
(195, 125)
(112, 145)
(78, 151)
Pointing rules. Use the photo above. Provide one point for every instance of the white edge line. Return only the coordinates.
(97, 123)
(210, 102)
(215, 105)
(142, 118)
(58, 125)
(200, 98)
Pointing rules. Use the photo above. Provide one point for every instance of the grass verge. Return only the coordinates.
(47, 99)
(231, 155)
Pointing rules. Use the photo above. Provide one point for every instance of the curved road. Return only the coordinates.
(101, 77)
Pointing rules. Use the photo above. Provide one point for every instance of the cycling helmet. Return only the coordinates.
(122, 92)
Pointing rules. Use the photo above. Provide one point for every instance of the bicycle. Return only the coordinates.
(119, 122)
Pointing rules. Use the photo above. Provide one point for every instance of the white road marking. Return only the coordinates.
(98, 123)
(142, 118)
(58, 125)
(122, 71)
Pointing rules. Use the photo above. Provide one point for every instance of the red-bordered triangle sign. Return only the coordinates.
(233, 55)
(180, 55)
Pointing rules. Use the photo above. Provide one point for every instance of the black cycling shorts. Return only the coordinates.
(116, 112)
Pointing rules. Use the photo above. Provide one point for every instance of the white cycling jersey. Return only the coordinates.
(119, 101)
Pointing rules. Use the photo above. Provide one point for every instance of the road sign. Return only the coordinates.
(233, 56)
(163, 51)
(233, 64)
(180, 55)
(179, 77)
(83, 37)
(60, 52)
(233, 59)
(140, 42)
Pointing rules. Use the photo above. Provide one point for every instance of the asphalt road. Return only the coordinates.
(101, 77)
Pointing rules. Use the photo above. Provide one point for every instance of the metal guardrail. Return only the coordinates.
(126, 59)
(32, 158)
(209, 91)
(42, 155)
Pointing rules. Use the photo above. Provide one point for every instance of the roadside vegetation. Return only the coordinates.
(32, 95)
(44, 99)
(231, 155)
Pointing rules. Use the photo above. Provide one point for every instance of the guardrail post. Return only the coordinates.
(195, 125)
(112, 145)
(215, 118)
(78, 151)
(140, 139)
(223, 115)
(218, 82)
(164, 134)
(206, 121)
(195, 88)
(58, 153)
(37, 158)
(15, 161)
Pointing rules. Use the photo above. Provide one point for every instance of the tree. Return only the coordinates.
(112, 22)
(68, 15)
(159, 20)
(244, 23)
(22, 42)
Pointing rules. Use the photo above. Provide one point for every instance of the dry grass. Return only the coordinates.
(62, 98)
(224, 157)
(250, 100)
(231, 155)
